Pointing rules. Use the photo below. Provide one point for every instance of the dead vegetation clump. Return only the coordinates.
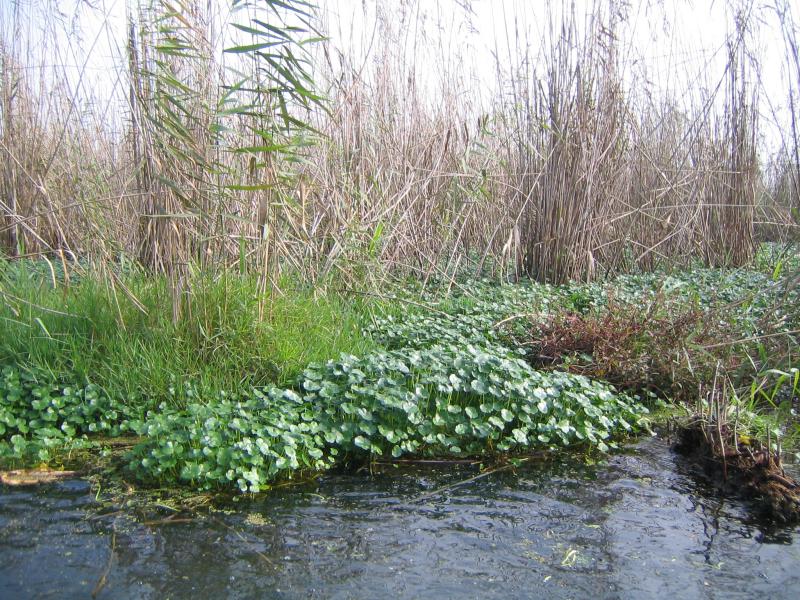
(657, 348)
(699, 356)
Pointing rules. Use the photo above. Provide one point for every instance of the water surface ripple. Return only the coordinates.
(635, 526)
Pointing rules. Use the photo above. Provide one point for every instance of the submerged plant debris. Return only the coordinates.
(742, 468)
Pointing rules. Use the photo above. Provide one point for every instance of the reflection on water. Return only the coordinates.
(636, 526)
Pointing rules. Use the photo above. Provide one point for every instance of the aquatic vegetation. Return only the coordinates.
(443, 384)
(39, 417)
(448, 400)
(438, 401)
(439, 375)
(245, 442)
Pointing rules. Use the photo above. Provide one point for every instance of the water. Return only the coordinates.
(636, 526)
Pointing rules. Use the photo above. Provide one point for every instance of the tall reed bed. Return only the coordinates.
(782, 185)
(573, 170)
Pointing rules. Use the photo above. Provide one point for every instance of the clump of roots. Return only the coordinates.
(740, 465)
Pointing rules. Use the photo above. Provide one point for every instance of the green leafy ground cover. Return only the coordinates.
(454, 379)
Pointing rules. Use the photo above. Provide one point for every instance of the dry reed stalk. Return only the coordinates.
(570, 174)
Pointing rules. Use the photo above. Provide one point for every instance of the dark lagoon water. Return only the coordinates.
(636, 525)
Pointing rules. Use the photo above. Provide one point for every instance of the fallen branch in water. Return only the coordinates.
(101, 583)
(167, 521)
(28, 477)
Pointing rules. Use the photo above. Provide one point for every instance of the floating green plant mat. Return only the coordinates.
(456, 398)
(438, 401)
(40, 418)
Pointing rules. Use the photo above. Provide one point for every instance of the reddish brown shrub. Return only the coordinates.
(661, 347)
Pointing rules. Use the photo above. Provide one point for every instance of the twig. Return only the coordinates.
(167, 521)
(411, 461)
(512, 317)
(752, 339)
(261, 555)
(101, 583)
(465, 481)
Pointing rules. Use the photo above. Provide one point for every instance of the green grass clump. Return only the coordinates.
(119, 333)
(774, 258)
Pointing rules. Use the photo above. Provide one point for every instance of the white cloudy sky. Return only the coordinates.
(681, 44)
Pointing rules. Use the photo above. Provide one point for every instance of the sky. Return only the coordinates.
(677, 45)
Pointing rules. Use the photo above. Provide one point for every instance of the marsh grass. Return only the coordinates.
(79, 360)
(435, 374)
(123, 337)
